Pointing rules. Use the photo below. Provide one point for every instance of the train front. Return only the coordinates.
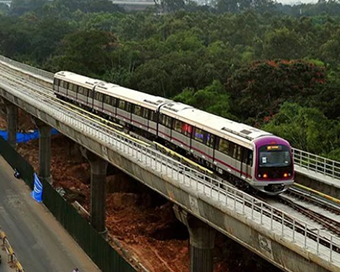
(274, 166)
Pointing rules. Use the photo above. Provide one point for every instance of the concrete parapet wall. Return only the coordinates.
(284, 254)
(318, 184)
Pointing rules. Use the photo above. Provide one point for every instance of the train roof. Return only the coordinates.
(220, 126)
(215, 124)
(115, 90)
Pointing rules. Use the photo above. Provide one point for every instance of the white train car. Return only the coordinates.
(237, 151)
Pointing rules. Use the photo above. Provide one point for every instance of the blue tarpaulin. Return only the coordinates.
(38, 189)
(25, 137)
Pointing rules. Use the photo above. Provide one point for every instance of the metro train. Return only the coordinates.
(238, 152)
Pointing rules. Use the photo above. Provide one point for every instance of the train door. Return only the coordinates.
(246, 162)
(93, 96)
(210, 142)
(88, 97)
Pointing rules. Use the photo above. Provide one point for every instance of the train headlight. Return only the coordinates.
(285, 175)
(265, 176)
(259, 175)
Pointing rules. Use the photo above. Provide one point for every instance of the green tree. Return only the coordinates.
(330, 50)
(305, 128)
(212, 99)
(258, 90)
(87, 52)
(283, 44)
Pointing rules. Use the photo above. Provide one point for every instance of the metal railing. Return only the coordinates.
(317, 163)
(12, 257)
(264, 215)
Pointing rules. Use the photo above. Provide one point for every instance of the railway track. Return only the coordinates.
(330, 222)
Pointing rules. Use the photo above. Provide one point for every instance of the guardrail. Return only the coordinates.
(317, 163)
(12, 258)
(113, 241)
(282, 224)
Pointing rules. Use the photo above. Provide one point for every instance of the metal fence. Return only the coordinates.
(317, 163)
(17, 162)
(12, 257)
(98, 249)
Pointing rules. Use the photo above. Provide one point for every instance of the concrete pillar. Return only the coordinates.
(98, 177)
(202, 241)
(12, 123)
(44, 150)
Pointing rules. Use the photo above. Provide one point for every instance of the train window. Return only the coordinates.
(210, 140)
(237, 152)
(114, 101)
(128, 107)
(162, 119)
(165, 120)
(65, 84)
(80, 90)
(199, 135)
(137, 110)
(186, 129)
(121, 104)
(75, 88)
(223, 146)
(56, 81)
(99, 96)
(107, 99)
(70, 86)
(145, 113)
(231, 150)
(85, 91)
(169, 122)
(89, 93)
(153, 116)
(178, 126)
(247, 156)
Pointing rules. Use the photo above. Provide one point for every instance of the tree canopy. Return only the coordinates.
(269, 65)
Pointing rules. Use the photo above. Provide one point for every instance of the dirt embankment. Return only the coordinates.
(142, 221)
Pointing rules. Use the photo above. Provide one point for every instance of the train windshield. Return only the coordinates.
(274, 156)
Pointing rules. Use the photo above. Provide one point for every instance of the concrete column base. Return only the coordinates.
(104, 233)
(44, 150)
(98, 178)
(202, 241)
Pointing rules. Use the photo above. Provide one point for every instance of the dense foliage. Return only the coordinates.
(270, 65)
